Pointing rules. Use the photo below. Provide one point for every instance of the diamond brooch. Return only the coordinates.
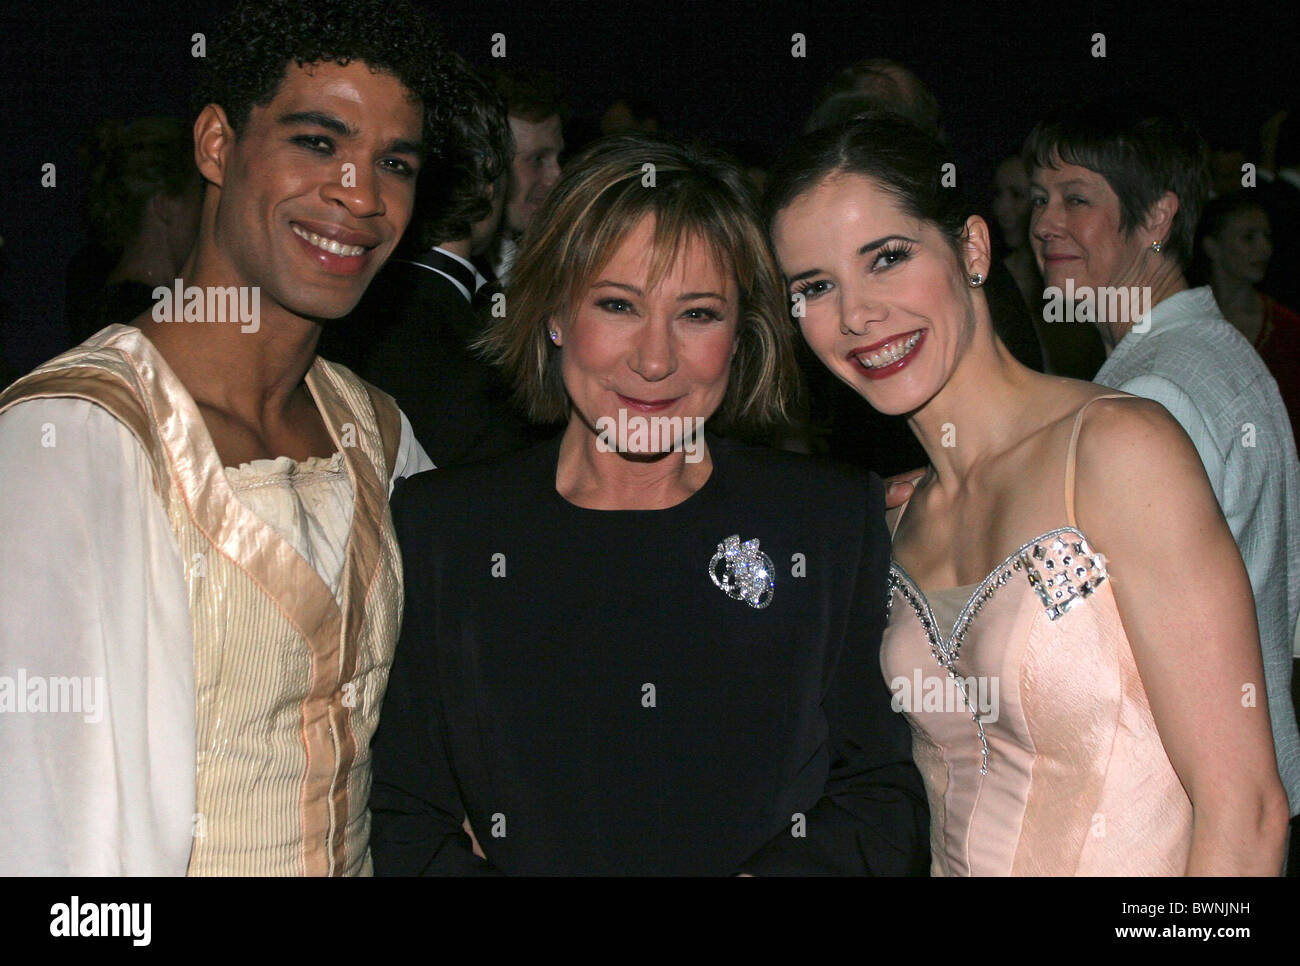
(743, 572)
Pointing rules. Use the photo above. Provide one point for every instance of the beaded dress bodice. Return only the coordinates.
(1059, 566)
(1030, 723)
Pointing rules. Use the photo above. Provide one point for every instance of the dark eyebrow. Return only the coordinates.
(871, 246)
(866, 249)
(337, 126)
(403, 146)
(316, 119)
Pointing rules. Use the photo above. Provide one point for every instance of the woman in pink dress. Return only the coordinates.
(1072, 634)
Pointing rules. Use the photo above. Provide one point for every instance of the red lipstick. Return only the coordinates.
(884, 372)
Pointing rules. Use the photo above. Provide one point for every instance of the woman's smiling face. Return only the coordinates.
(884, 299)
(661, 350)
(1074, 226)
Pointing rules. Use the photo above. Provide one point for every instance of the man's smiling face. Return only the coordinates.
(317, 189)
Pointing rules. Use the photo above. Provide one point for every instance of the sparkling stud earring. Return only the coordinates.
(555, 337)
(976, 280)
(1156, 246)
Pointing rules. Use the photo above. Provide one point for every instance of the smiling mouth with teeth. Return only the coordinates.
(327, 244)
(888, 355)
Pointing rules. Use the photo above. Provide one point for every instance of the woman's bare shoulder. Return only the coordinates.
(1135, 462)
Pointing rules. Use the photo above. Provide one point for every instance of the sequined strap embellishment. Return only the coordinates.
(1062, 572)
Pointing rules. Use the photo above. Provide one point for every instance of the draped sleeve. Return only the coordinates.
(96, 652)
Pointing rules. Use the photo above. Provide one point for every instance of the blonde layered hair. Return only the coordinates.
(604, 194)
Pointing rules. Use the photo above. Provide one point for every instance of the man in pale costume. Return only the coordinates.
(195, 510)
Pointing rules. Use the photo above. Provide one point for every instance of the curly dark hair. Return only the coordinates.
(452, 194)
(247, 59)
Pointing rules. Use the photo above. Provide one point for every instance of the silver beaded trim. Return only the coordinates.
(944, 652)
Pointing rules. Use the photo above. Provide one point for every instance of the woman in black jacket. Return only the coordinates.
(643, 648)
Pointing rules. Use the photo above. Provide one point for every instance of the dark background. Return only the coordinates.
(719, 70)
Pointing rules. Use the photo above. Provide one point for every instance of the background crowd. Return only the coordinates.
(481, 208)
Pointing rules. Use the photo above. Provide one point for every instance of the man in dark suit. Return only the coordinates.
(411, 334)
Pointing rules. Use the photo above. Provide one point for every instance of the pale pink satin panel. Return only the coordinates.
(1073, 698)
(1155, 839)
(1078, 782)
(980, 814)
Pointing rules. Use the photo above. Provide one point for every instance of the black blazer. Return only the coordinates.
(575, 681)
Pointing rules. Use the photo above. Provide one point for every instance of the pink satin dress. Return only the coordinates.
(1030, 724)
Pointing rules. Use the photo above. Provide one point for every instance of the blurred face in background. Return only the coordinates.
(1075, 231)
(619, 118)
(179, 215)
(1225, 170)
(1011, 202)
(1243, 246)
(534, 169)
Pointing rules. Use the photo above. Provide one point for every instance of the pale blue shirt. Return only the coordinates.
(1195, 364)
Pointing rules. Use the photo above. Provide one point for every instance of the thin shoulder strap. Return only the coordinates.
(1070, 457)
